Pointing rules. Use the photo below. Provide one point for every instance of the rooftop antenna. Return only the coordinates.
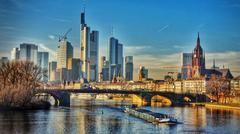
(112, 31)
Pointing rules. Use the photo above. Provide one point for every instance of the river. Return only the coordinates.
(88, 118)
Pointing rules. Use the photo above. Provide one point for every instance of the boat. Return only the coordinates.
(150, 116)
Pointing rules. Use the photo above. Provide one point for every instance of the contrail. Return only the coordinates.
(163, 28)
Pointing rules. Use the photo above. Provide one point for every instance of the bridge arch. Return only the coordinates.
(159, 100)
(61, 98)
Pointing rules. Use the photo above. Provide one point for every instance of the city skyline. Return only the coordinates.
(153, 44)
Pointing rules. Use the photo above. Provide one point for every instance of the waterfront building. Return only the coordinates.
(186, 65)
(64, 52)
(94, 48)
(143, 73)
(62, 75)
(74, 69)
(15, 54)
(235, 85)
(129, 68)
(115, 58)
(43, 58)
(3, 60)
(28, 52)
(198, 60)
(52, 71)
(85, 48)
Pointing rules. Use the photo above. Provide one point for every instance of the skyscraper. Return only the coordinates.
(64, 52)
(28, 52)
(74, 69)
(105, 71)
(15, 54)
(85, 48)
(186, 65)
(52, 71)
(94, 48)
(43, 58)
(129, 68)
(198, 60)
(115, 58)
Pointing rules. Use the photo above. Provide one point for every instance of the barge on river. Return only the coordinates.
(150, 116)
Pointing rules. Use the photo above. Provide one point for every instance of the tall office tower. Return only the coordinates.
(85, 48)
(3, 60)
(28, 52)
(186, 66)
(74, 69)
(94, 45)
(129, 68)
(105, 71)
(102, 61)
(15, 54)
(143, 73)
(52, 70)
(64, 52)
(198, 60)
(43, 58)
(115, 58)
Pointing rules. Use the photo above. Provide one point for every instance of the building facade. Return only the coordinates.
(94, 49)
(115, 58)
(43, 59)
(28, 52)
(3, 60)
(52, 70)
(64, 52)
(129, 68)
(186, 65)
(74, 69)
(143, 73)
(85, 48)
(15, 54)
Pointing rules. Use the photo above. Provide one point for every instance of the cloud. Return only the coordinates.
(52, 37)
(163, 28)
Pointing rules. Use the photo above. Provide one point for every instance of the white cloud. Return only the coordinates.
(163, 28)
(52, 37)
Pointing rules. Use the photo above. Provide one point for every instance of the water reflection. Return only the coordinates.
(102, 119)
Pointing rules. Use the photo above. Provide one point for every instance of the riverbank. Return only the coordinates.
(41, 105)
(219, 106)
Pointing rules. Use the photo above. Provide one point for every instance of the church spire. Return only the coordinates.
(198, 41)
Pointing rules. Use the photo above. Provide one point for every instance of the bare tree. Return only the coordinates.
(218, 87)
(19, 82)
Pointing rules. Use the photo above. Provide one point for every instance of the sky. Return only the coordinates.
(155, 32)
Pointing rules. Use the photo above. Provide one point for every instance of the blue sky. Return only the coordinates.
(155, 32)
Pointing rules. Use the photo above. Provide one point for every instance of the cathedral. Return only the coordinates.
(198, 60)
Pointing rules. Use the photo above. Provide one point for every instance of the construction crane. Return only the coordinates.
(64, 37)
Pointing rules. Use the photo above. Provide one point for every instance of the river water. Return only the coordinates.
(83, 117)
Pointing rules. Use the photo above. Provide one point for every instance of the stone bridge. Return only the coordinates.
(62, 96)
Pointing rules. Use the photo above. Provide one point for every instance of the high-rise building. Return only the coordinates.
(129, 68)
(115, 58)
(52, 71)
(85, 48)
(43, 58)
(143, 73)
(28, 52)
(186, 66)
(15, 54)
(3, 60)
(198, 60)
(94, 48)
(74, 69)
(64, 52)
(105, 71)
